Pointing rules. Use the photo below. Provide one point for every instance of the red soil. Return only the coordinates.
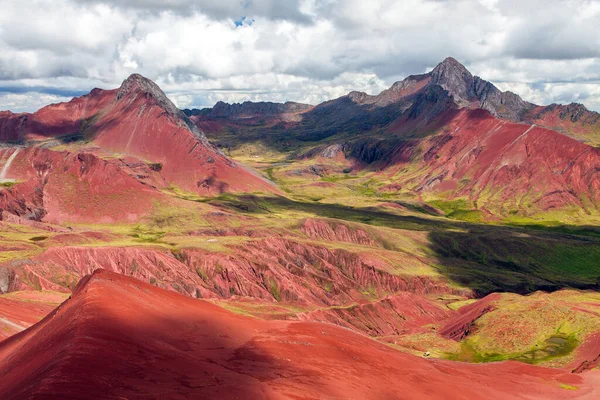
(336, 231)
(509, 165)
(460, 325)
(63, 186)
(270, 269)
(56, 119)
(121, 338)
(588, 354)
(394, 315)
(16, 315)
(137, 124)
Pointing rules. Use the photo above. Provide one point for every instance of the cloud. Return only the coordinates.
(302, 50)
(222, 9)
(21, 102)
(559, 30)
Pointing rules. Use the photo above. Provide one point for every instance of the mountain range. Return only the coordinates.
(371, 246)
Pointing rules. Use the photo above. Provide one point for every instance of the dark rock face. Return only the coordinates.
(455, 78)
(468, 90)
(573, 112)
(358, 97)
(430, 103)
(506, 105)
(407, 83)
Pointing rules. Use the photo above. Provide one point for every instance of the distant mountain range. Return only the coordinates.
(460, 134)
(450, 85)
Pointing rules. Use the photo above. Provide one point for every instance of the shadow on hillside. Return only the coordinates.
(519, 260)
(486, 258)
(253, 204)
(154, 342)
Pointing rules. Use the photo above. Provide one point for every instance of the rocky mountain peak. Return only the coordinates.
(137, 84)
(357, 97)
(455, 78)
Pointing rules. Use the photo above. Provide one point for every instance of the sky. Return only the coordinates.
(204, 51)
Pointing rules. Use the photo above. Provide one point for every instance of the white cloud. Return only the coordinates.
(20, 102)
(300, 50)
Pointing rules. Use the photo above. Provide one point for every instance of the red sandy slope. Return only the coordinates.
(24, 310)
(120, 338)
(502, 164)
(55, 119)
(143, 122)
(64, 186)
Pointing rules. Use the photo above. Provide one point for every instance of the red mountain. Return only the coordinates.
(117, 337)
(139, 120)
(504, 166)
(124, 146)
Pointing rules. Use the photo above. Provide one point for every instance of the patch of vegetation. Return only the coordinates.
(495, 258)
(146, 235)
(202, 274)
(38, 238)
(580, 261)
(274, 289)
(371, 292)
(555, 346)
(180, 256)
(8, 184)
(254, 204)
(568, 387)
(218, 268)
(459, 209)
(269, 173)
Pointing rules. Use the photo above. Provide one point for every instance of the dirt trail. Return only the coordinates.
(8, 163)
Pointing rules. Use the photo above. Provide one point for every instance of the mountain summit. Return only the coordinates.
(472, 91)
(455, 78)
(137, 84)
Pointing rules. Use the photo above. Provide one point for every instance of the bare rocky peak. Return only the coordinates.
(358, 97)
(573, 112)
(136, 84)
(407, 83)
(455, 78)
(576, 112)
(468, 90)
